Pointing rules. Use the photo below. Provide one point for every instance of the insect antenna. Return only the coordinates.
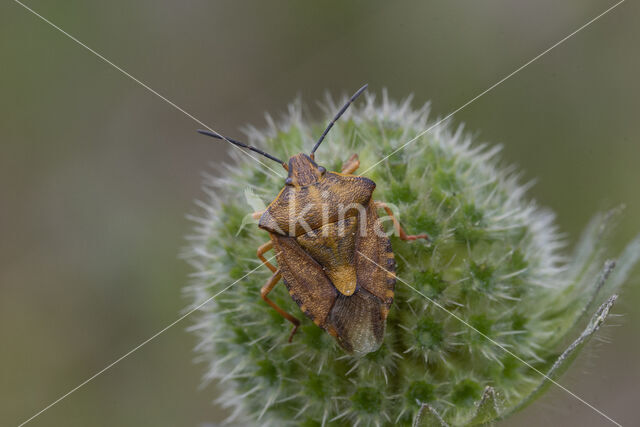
(340, 113)
(241, 144)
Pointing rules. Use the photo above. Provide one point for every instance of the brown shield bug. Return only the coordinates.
(325, 229)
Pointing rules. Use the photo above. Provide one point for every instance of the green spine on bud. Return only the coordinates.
(495, 272)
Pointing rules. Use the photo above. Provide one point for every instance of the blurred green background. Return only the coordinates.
(96, 173)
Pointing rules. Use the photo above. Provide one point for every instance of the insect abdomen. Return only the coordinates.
(332, 246)
(357, 321)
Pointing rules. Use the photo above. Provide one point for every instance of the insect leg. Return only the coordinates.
(396, 224)
(268, 287)
(261, 250)
(351, 165)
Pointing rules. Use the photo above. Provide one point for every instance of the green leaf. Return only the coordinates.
(428, 417)
(488, 408)
(564, 360)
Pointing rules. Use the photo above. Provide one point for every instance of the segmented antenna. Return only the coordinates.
(240, 144)
(340, 113)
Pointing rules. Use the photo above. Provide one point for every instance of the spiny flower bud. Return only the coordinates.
(480, 312)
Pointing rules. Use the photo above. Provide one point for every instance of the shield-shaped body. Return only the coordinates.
(335, 260)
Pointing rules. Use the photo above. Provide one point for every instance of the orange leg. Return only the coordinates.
(396, 224)
(268, 287)
(351, 165)
(261, 250)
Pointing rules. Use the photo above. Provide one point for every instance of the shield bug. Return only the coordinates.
(327, 235)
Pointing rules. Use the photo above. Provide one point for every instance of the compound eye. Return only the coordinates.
(288, 181)
(322, 170)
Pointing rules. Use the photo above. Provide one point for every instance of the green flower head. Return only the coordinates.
(485, 316)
